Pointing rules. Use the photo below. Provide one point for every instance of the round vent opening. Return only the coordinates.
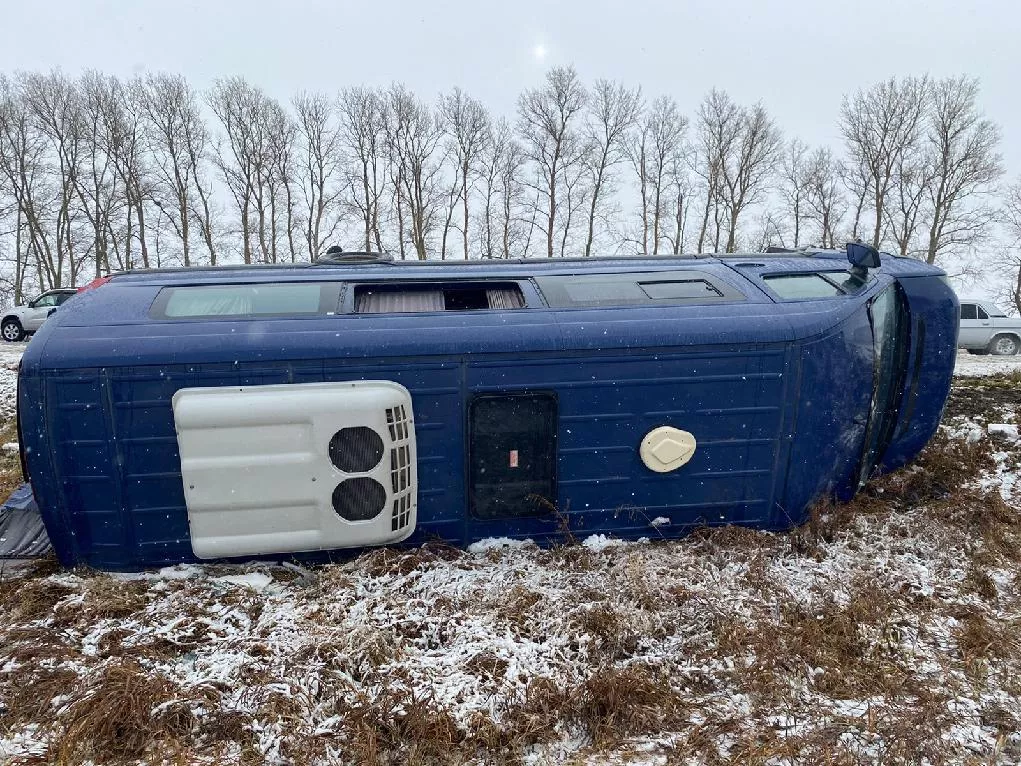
(356, 450)
(359, 499)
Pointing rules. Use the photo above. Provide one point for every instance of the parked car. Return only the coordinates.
(22, 321)
(985, 329)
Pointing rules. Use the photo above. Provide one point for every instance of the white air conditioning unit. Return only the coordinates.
(303, 467)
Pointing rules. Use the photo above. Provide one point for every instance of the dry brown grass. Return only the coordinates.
(391, 561)
(31, 599)
(28, 693)
(650, 666)
(10, 462)
(845, 640)
(980, 637)
(616, 703)
(395, 726)
(611, 630)
(122, 714)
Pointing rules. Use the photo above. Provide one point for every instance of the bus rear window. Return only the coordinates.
(274, 299)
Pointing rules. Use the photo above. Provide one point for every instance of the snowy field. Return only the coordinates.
(885, 631)
(978, 365)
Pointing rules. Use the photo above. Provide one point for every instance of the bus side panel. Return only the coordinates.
(733, 400)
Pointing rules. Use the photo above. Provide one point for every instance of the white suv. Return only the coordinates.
(987, 330)
(25, 320)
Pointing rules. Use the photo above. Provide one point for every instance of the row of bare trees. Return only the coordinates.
(101, 174)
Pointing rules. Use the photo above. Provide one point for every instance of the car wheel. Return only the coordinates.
(11, 330)
(1004, 345)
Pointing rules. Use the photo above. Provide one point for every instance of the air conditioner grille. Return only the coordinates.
(397, 422)
(400, 466)
(356, 450)
(401, 512)
(359, 499)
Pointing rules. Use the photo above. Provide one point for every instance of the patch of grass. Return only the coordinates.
(10, 462)
(28, 693)
(105, 598)
(616, 703)
(614, 636)
(981, 638)
(395, 725)
(31, 599)
(121, 714)
(390, 561)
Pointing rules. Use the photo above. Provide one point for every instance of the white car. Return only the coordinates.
(985, 329)
(21, 321)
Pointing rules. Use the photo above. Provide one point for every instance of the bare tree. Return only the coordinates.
(911, 180)
(719, 128)
(362, 111)
(547, 118)
(96, 182)
(613, 111)
(237, 105)
(279, 179)
(413, 133)
(1012, 257)
(176, 138)
(794, 184)
(656, 149)
(52, 104)
(467, 125)
(123, 142)
(964, 165)
(320, 163)
(24, 169)
(503, 192)
(823, 194)
(681, 195)
(747, 172)
(880, 126)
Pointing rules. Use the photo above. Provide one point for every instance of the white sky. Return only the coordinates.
(798, 56)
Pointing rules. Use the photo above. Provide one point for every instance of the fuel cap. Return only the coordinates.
(667, 448)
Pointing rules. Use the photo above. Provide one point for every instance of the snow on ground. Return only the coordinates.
(886, 631)
(985, 364)
(10, 356)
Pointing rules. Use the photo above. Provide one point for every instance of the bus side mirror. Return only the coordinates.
(862, 256)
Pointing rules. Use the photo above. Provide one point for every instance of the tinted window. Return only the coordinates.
(801, 286)
(968, 311)
(982, 314)
(281, 299)
(589, 290)
(63, 297)
(688, 288)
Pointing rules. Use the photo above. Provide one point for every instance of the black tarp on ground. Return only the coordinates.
(22, 534)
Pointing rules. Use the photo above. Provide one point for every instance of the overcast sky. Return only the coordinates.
(798, 56)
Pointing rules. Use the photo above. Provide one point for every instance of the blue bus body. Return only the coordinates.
(782, 393)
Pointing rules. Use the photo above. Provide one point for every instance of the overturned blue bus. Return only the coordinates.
(292, 411)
